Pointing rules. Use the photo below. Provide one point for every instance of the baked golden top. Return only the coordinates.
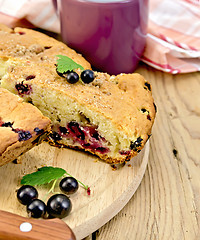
(125, 99)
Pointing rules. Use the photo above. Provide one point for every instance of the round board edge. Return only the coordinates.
(94, 224)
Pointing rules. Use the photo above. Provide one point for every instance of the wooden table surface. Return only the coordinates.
(167, 203)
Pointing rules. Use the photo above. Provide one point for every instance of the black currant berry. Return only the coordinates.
(36, 208)
(68, 185)
(26, 194)
(72, 77)
(87, 76)
(23, 88)
(59, 206)
(24, 135)
(38, 130)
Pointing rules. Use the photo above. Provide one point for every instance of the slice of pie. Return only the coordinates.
(111, 116)
(22, 126)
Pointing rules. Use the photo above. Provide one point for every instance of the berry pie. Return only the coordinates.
(109, 116)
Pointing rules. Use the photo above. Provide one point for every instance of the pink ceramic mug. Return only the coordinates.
(110, 34)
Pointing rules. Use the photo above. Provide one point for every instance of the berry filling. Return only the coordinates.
(30, 77)
(23, 89)
(22, 135)
(135, 145)
(1, 122)
(38, 131)
(76, 131)
(147, 86)
(143, 110)
(21, 33)
(55, 136)
(47, 47)
(148, 117)
(7, 124)
(87, 136)
(124, 152)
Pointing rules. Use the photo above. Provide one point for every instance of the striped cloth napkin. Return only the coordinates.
(173, 39)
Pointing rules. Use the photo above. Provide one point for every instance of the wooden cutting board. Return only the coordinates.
(110, 189)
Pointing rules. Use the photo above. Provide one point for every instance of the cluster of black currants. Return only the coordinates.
(87, 76)
(58, 205)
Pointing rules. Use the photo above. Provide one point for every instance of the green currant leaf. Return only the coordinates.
(65, 64)
(42, 176)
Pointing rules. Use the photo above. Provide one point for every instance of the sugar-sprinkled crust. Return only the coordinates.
(120, 106)
(21, 126)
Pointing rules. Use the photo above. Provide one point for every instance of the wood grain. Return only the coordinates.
(166, 206)
(110, 190)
